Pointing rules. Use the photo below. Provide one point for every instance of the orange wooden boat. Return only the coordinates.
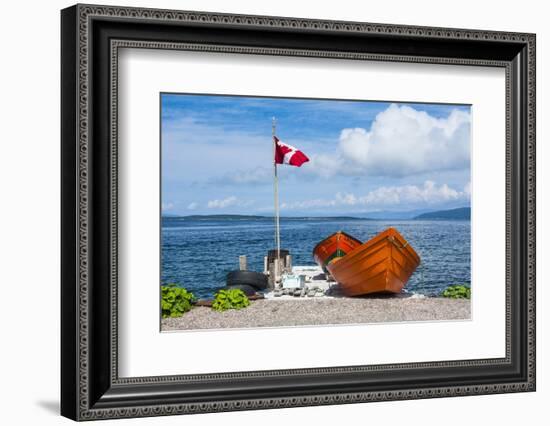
(337, 245)
(383, 264)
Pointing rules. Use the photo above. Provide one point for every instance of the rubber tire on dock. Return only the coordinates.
(250, 278)
(247, 289)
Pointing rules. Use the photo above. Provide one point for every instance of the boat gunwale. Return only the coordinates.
(384, 235)
(334, 234)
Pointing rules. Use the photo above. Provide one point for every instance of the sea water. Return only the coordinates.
(197, 253)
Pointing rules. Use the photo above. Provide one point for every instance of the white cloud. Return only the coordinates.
(220, 204)
(325, 165)
(192, 206)
(346, 199)
(308, 204)
(406, 195)
(468, 189)
(167, 206)
(429, 193)
(400, 141)
(231, 201)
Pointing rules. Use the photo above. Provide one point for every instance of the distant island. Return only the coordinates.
(462, 213)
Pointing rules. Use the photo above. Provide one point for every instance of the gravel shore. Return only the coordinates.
(318, 311)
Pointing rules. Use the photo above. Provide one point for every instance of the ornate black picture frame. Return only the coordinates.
(91, 36)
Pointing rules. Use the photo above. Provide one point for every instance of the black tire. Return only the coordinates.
(247, 289)
(250, 278)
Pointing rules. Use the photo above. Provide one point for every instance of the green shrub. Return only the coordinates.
(230, 299)
(175, 301)
(457, 292)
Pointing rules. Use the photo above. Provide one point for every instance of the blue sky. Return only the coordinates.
(364, 156)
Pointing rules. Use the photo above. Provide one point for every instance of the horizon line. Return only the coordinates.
(356, 216)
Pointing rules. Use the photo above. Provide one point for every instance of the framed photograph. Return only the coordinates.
(263, 212)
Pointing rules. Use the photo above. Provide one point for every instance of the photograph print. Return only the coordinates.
(286, 212)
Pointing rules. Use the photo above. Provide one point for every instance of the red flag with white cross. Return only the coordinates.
(287, 154)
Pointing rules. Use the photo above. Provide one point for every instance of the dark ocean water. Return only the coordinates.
(198, 253)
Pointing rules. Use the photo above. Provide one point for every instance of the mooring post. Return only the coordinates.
(271, 277)
(288, 263)
(242, 262)
(276, 271)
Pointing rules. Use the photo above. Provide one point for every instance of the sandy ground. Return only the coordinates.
(317, 311)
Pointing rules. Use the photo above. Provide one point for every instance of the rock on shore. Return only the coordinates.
(323, 311)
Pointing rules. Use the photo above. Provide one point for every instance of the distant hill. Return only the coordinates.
(455, 214)
(255, 217)
(462, 213)
(217, 217)
(396, 215)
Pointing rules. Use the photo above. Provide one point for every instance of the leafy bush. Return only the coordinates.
(230, 299)
(457, 292)
(175, 301)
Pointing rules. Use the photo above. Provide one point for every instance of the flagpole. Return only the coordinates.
(276, 200)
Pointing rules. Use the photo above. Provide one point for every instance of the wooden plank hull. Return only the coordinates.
(336, 245)
(381, 265)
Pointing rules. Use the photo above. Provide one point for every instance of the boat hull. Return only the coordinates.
(335, 246)
(383, 264)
